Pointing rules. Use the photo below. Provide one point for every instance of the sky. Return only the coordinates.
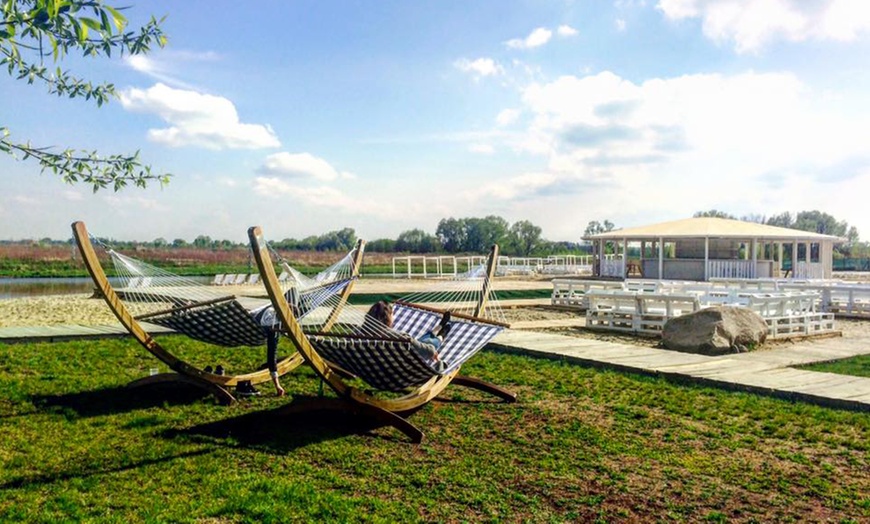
(308, 116)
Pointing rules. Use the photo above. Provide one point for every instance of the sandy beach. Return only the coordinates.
(82, 309)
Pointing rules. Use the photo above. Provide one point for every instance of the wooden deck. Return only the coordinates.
(767, 372)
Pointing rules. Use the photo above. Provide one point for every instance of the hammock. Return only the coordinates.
(392, 364)
(210, 314)
(385, 358)
(207, 313)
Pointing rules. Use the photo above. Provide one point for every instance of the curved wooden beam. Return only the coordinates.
(491, 266)
(486, 387)
(126, 318)
(222, 395)
(355, 271)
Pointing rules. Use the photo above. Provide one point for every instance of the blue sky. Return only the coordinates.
(308, 116)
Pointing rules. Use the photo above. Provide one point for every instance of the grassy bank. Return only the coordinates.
(581, 445)
(858, 366)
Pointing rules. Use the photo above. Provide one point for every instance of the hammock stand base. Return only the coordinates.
(486, 387)
(222, 395)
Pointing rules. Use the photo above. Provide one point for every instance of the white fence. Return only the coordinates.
(786, 314)
(831, 296)
(731, 269)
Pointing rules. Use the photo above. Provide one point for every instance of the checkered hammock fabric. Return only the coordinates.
(230, 324)
(225, 324)
(394, 366)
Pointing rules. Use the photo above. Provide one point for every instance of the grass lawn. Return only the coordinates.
(858, 366)
(582, 444)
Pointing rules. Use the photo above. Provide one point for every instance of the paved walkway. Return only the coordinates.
(766, 372)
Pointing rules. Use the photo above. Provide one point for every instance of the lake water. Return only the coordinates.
(37, 287)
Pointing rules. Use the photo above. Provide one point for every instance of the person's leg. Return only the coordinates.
(272, 359)
(431, 339)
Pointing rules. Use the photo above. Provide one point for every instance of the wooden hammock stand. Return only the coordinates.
(185, 373)
(388, 411)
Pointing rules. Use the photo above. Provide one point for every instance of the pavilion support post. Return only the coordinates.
(754, 269)
(807, 259)
(794, 259)
(602, 255)
(706, 259)
(624, 258)
(661, 258)
(779, 253)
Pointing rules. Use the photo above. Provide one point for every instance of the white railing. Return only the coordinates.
(730, 269)
(612, 267)
(808, 270)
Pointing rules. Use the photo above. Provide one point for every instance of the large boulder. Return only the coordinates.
(715, 331)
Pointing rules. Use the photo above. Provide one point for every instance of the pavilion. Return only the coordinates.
(704, 248)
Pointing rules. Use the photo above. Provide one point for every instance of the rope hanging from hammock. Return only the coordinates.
(209, 313)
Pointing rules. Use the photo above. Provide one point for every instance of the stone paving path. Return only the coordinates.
(767, 372)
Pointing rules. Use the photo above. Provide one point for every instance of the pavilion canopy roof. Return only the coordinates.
(709, 227)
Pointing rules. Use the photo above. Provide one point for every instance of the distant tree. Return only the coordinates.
(32, 31)
(781, 220)
(179, 242)
(525, 237)
(595, 227)
(381, 245)
(159, 242)
(346, 238)
(754, 217)
(416, 241)
(714, 213)
(482, 233)
(452, 234)
(202, 241)
(819, 222)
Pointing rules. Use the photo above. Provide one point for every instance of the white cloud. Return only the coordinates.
(323, 197)
(196, 119)
(301, 165)
(516, 187)
(507, 117)
(480, 67)
(751, 24)
(620, 24)
(25, 200)
(483, 149)
(164, 66)
(73, 196)
(640, 152)
(566, 30)
(126, 203)
(536, 38)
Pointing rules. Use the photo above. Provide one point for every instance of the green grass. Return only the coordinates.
(858, 366)
(581, 445)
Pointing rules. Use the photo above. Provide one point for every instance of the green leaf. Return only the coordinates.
(120, 20)
(91, 23)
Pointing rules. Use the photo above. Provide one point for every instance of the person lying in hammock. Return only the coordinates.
(380, 315)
